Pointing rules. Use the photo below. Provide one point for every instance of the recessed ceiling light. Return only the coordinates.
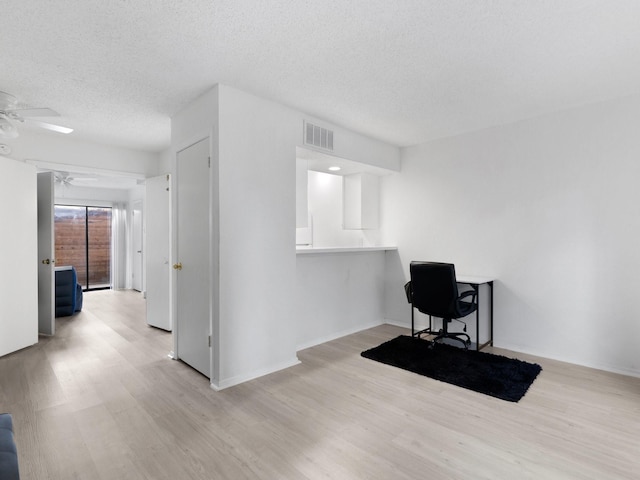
(334, 169)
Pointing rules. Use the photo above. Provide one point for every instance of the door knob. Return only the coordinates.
(46, 262)
(177, 266)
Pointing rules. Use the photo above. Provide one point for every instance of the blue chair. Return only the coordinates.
(8, 451)
(68, 292)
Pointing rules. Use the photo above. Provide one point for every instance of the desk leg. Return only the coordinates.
(477, 289)
(490, 341)
(491, 295)
(413, 327)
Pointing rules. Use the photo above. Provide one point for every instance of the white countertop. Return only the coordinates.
(300, 250)
(474, 279)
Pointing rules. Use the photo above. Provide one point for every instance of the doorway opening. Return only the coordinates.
(83, 240)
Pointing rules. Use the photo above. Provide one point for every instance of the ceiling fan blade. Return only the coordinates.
(35, 112)
(7, 128)
(52, 127)
(7, 100)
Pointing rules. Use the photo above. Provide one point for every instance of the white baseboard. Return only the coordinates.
(230, 382)
(529, 351)
(606, 368)
(407, 324)
(333, 336)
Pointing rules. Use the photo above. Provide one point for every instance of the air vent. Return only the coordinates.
(318, 136)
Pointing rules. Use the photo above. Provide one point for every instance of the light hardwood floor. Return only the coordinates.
(101, 400)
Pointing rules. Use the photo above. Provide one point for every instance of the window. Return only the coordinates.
(83, 240)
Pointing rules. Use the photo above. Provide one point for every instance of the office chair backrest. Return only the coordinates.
(434, 290)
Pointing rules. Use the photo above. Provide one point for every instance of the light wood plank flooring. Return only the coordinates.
(101, 400)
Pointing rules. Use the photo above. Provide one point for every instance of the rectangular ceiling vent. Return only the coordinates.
(318, 136)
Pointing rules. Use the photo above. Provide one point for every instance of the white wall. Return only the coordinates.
(98, 197)
(551, 207)
(166, 161)
(338, 294)
(257, 235)
(325, 203)
(65, 149)
(258, 139)
(255, 149)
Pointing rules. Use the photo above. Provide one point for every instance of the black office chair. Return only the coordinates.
(433, 290)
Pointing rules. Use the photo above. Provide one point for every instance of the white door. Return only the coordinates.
(19, 259)
(136, 228)
(158, 251)
(46, 254)
(192, 267)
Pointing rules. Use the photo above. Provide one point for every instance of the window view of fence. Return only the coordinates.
(83, 240)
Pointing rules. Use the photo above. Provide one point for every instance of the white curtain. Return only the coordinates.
(119, 227)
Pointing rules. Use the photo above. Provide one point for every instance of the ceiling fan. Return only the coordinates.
(67, 179)
(11, 112)
(63, 179)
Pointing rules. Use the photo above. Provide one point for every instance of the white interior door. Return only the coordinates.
(192, 267)
(46, 254)
(136, 229)
(158, 251)
(18, 262)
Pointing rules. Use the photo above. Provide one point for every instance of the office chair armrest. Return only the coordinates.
(407, 291)
(469, 293)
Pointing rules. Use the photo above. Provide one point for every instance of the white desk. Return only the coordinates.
(304, 250)
(475, 282)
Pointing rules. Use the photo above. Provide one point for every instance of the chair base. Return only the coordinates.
(461, 337)
(442, 334)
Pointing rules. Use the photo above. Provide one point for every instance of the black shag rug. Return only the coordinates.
(495, 375)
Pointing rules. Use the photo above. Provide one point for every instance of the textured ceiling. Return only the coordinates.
(404, 71)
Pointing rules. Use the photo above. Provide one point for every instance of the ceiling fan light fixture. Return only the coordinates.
(7, 128)
(52, 127)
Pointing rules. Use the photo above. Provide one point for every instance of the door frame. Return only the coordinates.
(214, 237)
(137, 236)
(46, 255)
